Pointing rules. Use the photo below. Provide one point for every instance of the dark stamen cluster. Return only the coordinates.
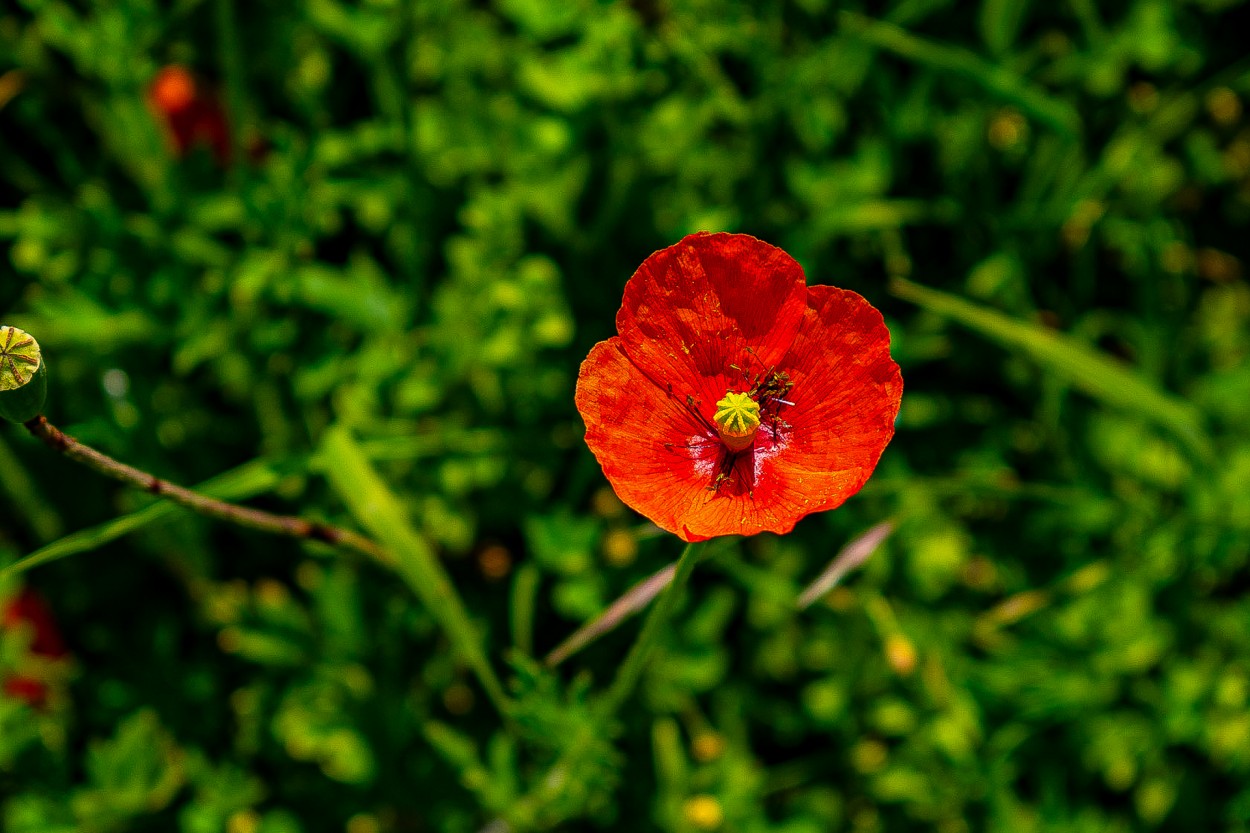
(769, 388)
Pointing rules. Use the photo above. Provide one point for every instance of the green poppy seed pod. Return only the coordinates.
(23, 376)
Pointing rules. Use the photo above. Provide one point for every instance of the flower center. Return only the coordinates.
(737, 419)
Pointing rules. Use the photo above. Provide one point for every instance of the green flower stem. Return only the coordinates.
(235, 83)
(636, 661)
(232, 71)
(285, 525)
(20, 488)
(551, 786)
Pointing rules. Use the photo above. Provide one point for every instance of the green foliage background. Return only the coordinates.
(1047, 200)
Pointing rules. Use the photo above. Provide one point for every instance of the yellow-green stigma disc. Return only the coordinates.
(737, 419)
(23, 376)
(19, 358)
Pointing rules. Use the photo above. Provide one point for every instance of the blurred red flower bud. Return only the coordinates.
(29, 610)
(190, 114)
(173, 90)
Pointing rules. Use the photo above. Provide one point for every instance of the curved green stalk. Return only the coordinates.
(635, 662)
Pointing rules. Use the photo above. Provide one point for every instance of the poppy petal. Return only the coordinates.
(779, 498)
(846, 395)
(660, 459)
(708, 302)
(653, 450)
(647, 396)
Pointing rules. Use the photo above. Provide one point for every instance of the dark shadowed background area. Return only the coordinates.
(236, 227)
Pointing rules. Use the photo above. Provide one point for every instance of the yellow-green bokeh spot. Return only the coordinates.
(737, 419)
(23, 377)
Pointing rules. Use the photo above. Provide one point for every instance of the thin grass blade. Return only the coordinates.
(634, 600)
(851, 557)
(1084, 367)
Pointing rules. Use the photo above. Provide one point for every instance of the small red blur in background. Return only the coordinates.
(29, 610)
(191, 114)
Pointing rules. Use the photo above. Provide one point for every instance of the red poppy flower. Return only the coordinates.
(28, 609)
(191, 115)
(736, 399)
